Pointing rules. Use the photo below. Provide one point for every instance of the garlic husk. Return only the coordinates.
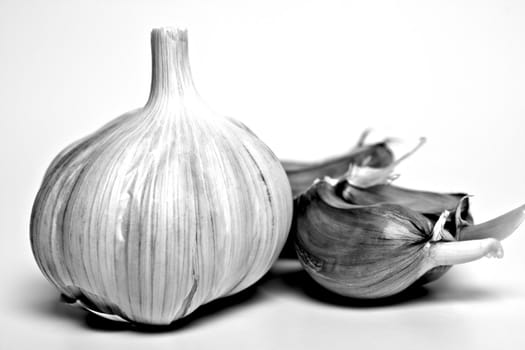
(377, 250)
(165, 208)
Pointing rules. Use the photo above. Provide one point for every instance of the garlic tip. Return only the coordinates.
(495, 252)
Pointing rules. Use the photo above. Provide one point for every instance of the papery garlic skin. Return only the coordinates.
(163, 209)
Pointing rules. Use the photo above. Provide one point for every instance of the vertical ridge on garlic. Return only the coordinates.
(163, 209)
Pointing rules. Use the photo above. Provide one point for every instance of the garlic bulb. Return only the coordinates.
(377, 250)
(165, 208)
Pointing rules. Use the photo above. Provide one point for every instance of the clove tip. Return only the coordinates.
(495, 249)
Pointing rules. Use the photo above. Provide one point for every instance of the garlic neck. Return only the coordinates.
(171, 80)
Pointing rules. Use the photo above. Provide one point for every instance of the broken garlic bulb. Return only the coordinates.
(163, 209)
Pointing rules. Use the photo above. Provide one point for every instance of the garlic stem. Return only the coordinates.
(452, 253)
(171, 75)
(498, 228)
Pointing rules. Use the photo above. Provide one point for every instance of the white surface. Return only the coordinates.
(307, 77)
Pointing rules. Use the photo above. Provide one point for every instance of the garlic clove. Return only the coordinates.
(376, 250)
(302, 174)
(358, 251)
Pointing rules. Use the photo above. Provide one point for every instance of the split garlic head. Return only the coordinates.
(163, 209)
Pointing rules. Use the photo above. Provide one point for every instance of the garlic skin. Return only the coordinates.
(165, 208)
(377, 250)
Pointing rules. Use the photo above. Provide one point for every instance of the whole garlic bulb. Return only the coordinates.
(163, 209)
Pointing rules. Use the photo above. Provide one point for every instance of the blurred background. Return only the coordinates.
(307, 77)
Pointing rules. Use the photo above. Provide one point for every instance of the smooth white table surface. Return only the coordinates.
(307, 77)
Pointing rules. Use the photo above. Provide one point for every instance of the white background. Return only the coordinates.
(307, 77)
